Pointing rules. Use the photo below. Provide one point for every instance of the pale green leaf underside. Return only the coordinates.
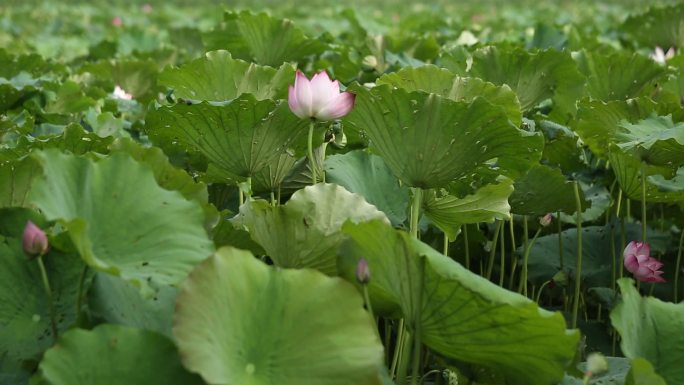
(119, 218)
(239, 321)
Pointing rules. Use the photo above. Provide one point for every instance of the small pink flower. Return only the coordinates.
(117, 21)
(639, 262)
(34, 240)
(147, 8)
(119, 93)
(362, 271)
(661, 57)
(320, 98)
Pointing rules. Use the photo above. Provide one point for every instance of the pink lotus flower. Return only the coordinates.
(661, 57)
(147, 8)
(320, 98)
(117, 21)
(119, 93)
(639, 262)
(34, 241)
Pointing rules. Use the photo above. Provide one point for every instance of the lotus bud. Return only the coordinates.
(546, 220)
(369, 63)
(119, 93)
(34, 241)
(319, 98)
(596, 364)
(362, 271)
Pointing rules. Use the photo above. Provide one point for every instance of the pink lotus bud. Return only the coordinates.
(34, 241)
(117, 21)
(319, 98)
(639, 262)
(119, 93)
(362, 271)
(546, 219)
(147, 8)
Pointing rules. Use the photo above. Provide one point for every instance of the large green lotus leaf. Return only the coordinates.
(659, 26)
(368, 175)
(17, 178)
(544, 190)
(535, 76)
(545, 258)
(261, 38)
(239, 321)
(218, 77)
(167, 176)
(651, 329)
(617, 75)
(113, 355)
(561, 148)
(119, 218)
(654, 140)
(25, 330)
(306, 231)
(449, 212)
(115, 301)
(440, 81)
(271, 177)
(240, 138)
(662, 184)
(599, 123)
(642, 373)
(463, 315)
(428, 140)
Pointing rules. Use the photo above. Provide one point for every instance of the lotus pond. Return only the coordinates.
(369, 193)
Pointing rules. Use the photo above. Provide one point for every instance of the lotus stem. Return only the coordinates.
(466, 247)
(541, 288)
(526, 257)
(415, 210)
(492, 250)
(578, 266)
(366, 298)
(643, 202)
(445, 246)
(312, 163)
(560, 241)
(48, 292)
(678, 267)
(417, 329)
(502, 261)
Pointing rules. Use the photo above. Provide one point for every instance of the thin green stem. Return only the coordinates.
(417, 343)
(366, 299)
(559, 227)
(643, 202)
(502, 260)
(678, 267)
(578, 267)
(541, 288)
(48, 291)
(312, 163)
(415, 210)
(514, 263)
(273, 201)
(466, 247)
(404, 357)
(613, 255)
(526, 257)
(492, 250)
(619, 203)
(445, 246)
(401, 330)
